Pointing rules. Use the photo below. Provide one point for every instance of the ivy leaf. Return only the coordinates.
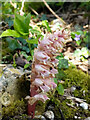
(10, 32)
(63, 63)
(25, 48)
(13, 44)
(60, 74)
(60, 89)
(23, 41)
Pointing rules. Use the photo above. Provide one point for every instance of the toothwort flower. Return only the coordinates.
(43, 67)
(77, 37)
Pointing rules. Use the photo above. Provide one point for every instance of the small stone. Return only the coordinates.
(40, 117)
(75, 117)
(79, 117)
(49, 115)
(87, 118)
(50, 107)
(2, 78)
(73, 89)
(84, 93)
(84, 105)
(1, 86)
(77, 104)
(6, 99)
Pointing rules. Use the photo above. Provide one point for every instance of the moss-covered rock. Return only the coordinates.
(14, 89)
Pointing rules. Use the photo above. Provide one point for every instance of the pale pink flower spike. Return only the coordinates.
(44, 67)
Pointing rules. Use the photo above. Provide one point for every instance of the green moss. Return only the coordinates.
(40, 107)
(70, 112)
(59, 102)
(16, 108)
(75, 77)
(22, 117)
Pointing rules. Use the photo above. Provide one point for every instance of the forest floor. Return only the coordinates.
(74, 104)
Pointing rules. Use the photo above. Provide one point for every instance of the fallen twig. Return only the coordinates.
(21, 10)
(13, 4)
(70, 105)
(33, 10)
(53, 12)
(74, 98)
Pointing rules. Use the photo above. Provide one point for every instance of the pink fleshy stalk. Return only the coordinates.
(31, 108)
(43, 67)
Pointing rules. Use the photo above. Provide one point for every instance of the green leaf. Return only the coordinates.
(29, 58)
(85, 39)
(55, 80)
(34, 31)
(46, 24)
(63, 63)
(27, 21)
(24, 54)
(78, 42)
(14, 63)
(26, 66)
(60, 89)
(20, 24)
(77, 32)
(72, 35)
(10, 32)
(33, 41)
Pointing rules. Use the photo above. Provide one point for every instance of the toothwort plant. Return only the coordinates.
(44, 67)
